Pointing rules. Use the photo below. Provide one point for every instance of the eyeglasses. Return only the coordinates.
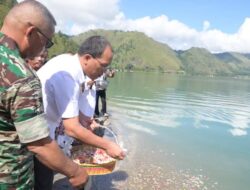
(103, 65)
(49, 43)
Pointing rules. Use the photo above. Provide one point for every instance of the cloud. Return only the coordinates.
(206, 25)
(75, 17)
(238, 132)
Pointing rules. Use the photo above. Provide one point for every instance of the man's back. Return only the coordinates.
(61, 79)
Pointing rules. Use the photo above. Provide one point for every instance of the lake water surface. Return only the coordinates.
(181, 132)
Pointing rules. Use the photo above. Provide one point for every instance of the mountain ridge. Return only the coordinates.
(150, 55)
(136, 51)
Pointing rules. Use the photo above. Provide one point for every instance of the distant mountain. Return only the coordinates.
(134, 50)
(239, 63)
(199, 61)
(247, 55)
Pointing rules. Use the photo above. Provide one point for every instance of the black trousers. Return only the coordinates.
(44, 176)
(101, 94)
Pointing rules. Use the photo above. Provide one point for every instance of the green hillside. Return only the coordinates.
(62, 44)
(199, 61)
(240, 63)
(134, 50)
(5, 6)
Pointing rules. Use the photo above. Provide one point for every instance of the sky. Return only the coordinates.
(217, 25)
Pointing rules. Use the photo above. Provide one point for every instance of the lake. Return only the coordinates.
(180, 132)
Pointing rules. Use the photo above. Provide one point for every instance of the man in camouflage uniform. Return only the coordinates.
(26, 30)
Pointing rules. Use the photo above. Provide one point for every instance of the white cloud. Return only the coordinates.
(238, 132)
(75, 17)
(206, 25)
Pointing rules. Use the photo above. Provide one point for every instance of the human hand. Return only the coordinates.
(94, 125)
(79, 179)
(115, 151)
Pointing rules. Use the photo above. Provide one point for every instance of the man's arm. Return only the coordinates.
(87, 122)
(74, 129)
(48, 152)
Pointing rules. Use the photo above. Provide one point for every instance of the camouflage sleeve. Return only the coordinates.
(32, 129)
(24, 102)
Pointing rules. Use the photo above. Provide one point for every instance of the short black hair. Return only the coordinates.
(94, 45)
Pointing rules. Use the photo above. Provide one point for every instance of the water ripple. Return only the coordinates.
(168, 108)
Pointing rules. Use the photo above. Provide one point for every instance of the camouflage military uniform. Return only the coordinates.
(21, 117)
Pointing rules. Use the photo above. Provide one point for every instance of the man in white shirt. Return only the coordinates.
(64, 81)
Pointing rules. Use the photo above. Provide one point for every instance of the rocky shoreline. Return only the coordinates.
(140, 171)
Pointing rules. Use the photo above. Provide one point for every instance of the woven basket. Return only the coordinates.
(88, 152)
(99, 169)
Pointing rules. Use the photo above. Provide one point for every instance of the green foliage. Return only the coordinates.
(5, 6)
(62, 44)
